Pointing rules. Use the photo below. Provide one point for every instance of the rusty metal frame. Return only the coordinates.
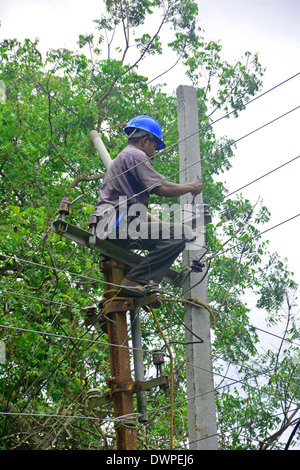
(115, 262)
(105, 247)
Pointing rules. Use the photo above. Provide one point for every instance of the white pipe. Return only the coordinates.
(100, 147)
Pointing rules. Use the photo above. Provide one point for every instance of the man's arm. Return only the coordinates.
(168, 189)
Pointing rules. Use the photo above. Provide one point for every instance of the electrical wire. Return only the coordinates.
(243, 105)
(234, 381)
(199, 339)
(92, 418)
(198, 131)
(220, 201)
(43, 382)
(57, 335)
(230, 430)
(254, 236)
(210, 258)
(263, 176)
(98, 280)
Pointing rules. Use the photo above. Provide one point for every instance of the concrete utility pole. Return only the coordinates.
(200, 386)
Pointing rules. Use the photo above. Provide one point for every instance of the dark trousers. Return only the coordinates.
(163, 243)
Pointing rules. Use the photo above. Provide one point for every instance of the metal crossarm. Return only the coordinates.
(105, 247)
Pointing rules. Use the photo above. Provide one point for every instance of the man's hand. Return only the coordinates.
(168, 189)
(196, 186)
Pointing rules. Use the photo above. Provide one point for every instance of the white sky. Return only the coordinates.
(269, 27)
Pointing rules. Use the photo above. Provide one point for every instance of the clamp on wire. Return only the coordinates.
(197, 266)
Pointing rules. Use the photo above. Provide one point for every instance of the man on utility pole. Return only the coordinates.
(124, 198)
(131, 178)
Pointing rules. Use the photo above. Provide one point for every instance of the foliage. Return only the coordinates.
(52, 359)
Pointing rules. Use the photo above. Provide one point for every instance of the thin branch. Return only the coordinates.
(107, 93)
(125, 29)
(85, 177)
(149, 44)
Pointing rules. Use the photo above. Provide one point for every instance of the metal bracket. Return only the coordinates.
(95, 399)
(105, 247)
(94, 314)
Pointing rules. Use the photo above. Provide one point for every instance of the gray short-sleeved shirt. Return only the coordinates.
(131, 175)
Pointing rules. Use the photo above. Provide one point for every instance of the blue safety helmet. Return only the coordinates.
(147, 124)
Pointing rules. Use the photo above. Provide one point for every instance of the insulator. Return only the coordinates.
(197, 266)
(93, 220)
(158, 357)
(90, 310)
(93, 393)
(64, 207)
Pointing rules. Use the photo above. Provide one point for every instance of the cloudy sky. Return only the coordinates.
(269, 27)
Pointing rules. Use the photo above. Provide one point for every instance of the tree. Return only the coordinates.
(51, 104)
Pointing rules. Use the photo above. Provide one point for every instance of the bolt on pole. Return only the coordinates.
(200, 387)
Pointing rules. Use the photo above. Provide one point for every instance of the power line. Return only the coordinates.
(231, 143)
(46, 333)
(262, 176)
(63, 304)
(253, 237)
(246, 185)
(242, 105)
(203, 128)
(68, 415)
(213, 390)
(228, 114)
(242, 137)
(234, 428)
(233, 380)
(239, 244)
(54, 268)
(42, 415)
(275, 336)
(96, 341)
